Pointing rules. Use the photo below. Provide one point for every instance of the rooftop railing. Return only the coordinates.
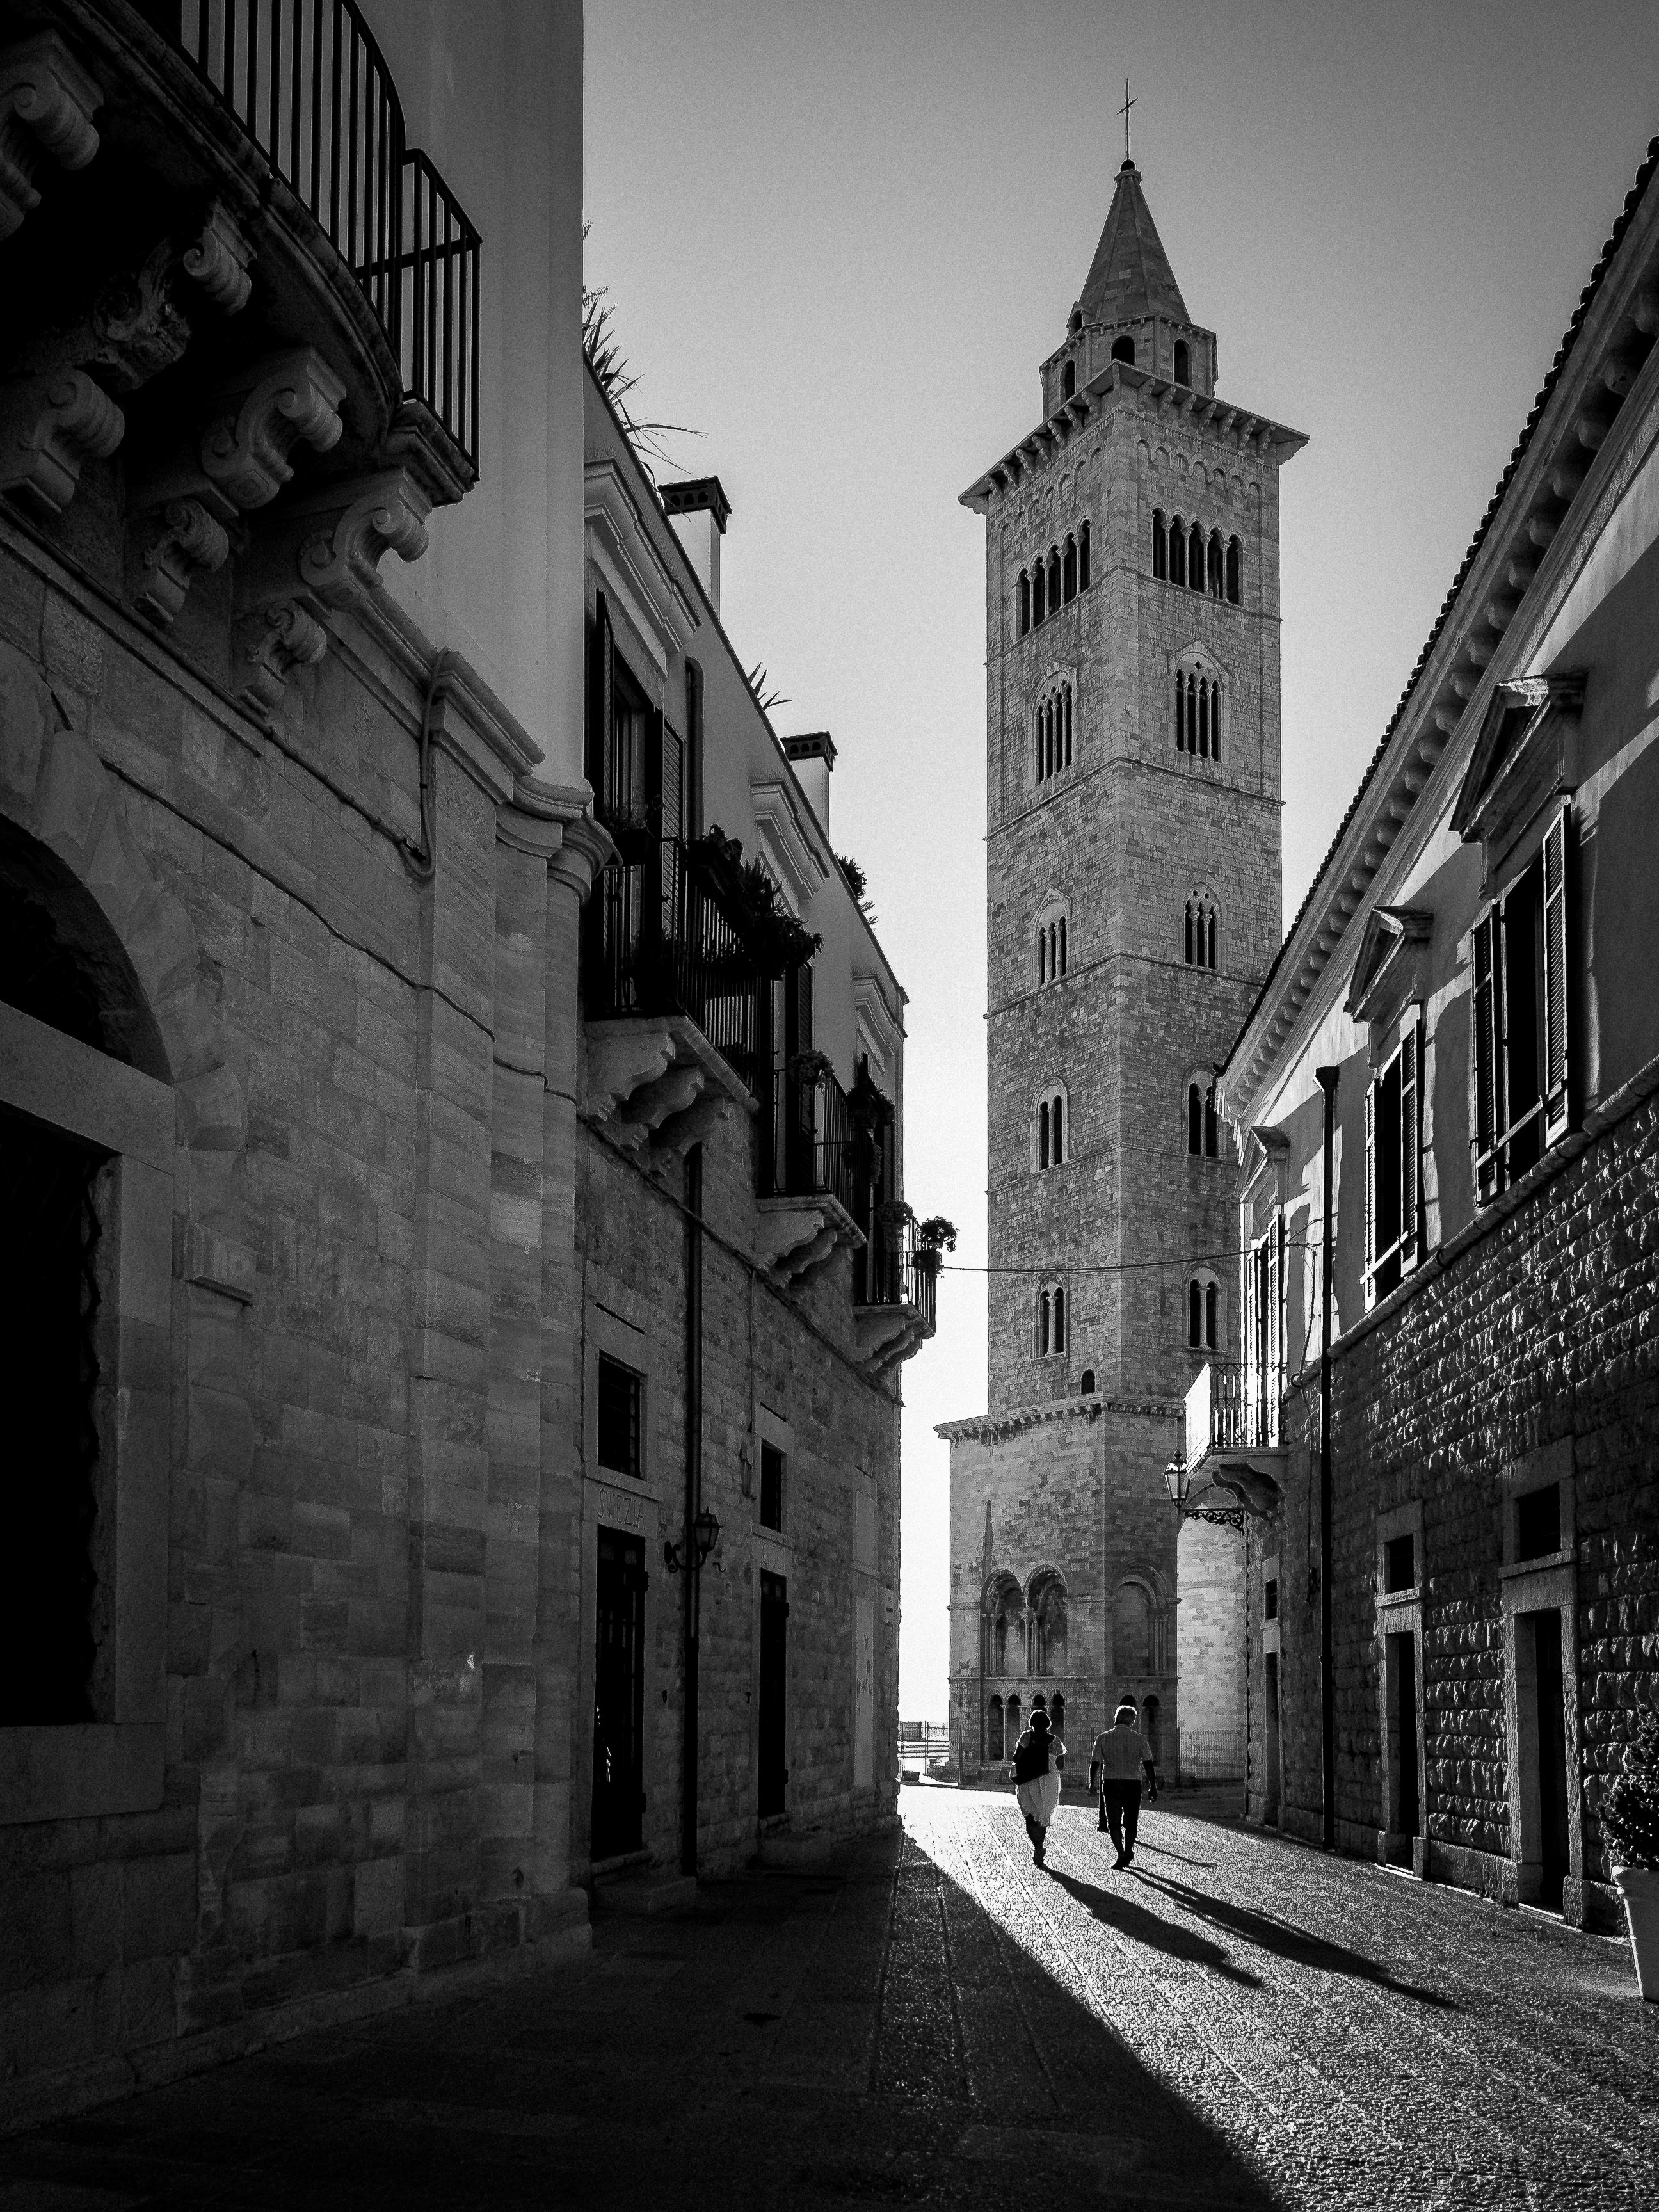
(310, 87)
(893, 1270)
(659, 942)
(812, 1134)
(1233, 1408)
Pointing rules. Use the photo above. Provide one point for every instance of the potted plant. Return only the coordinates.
(1630, 1820)
(934, 1237)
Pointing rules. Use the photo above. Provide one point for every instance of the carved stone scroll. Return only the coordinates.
(49, 425)
(184, 541)
(219, 261)
(47, 100)
(258, 421)
(340, 561)
(270, 644)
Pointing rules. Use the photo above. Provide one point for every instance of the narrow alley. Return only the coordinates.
(929, 2020)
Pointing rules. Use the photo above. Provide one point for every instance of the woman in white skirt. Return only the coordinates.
(1038, 1757)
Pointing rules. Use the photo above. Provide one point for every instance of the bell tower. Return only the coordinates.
(1133, 896)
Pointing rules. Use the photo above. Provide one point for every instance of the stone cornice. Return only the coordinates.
(1118, 384)
(621, 548)
(986, 1428)
(789, 849)
(1591, 428)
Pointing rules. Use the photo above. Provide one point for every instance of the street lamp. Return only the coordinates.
(706, 1532)
(1177, 1481)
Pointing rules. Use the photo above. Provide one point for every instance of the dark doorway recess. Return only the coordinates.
(48, 1384)
(774, 1742)
(1405, 1795)
(1270, 1732)
(619, 1695)
(1552, 1760)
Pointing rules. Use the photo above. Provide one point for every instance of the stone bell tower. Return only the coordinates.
(1132, 655)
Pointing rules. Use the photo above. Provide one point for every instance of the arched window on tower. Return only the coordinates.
(1195, 557)
(1218, 567)
(1160, 544)
(1049, 1322)
(1200, 938)
(1123, 348)
(1203, 1121)
(1083, 559)
(1182, 362)
(1025, 603)
(1051, 947)
(1039, 591)
(1069, 568)
(1198, 708)
(1068, 380)
(1053, 577)
(1203, 1312)
(1045, 1601)
(1052, 731)
(1177, 551)
(1235, 571)
(1051, 1134)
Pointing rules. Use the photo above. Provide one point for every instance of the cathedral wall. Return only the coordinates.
(1210, 1649)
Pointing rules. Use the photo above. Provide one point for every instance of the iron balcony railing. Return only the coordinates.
(811, 1149)
(307, 83)
(893, 1271)
(1233, 1408)
(659, 942)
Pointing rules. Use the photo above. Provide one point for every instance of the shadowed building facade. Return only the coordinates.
(1133, 734)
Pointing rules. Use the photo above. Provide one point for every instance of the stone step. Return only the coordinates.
(647, 1894)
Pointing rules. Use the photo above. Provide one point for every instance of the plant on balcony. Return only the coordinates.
(807, 1068)
(934, 1237)
(775, 941)
(633, 829)
(616, 380)
(766, 695)
(858, 884)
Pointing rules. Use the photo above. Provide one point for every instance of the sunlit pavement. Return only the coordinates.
(1235, 2021)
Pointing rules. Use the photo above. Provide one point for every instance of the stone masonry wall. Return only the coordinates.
(1543, 1330)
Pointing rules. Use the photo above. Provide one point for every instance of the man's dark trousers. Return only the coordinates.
(1121, 1802)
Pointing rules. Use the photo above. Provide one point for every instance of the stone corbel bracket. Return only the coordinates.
(271, 644)
(49, 426)
(47, 101)
(322, 553)
(256, 421)
(220, 259)
(794, 1237)
(339, 557)
(657, 1081)
(183, 543)
(888, 1334)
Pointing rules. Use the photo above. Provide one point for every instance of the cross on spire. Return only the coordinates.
(1124, 112)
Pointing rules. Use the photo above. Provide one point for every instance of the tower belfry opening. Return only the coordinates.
(1146, 822)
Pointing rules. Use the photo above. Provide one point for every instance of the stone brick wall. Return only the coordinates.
(1540, 1332)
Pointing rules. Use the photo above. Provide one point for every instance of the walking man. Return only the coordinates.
(1038, 1757)
(1116, 1758)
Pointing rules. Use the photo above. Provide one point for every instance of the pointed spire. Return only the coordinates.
(1130, 276)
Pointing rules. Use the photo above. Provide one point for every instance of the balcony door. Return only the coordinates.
(619, 1695)
(774, 1678)
(635, 763)
(787, 1004)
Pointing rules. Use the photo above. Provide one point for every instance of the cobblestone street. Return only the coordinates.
(1232, 2021)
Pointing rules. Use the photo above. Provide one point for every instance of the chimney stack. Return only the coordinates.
(813, 758)
(700, 512)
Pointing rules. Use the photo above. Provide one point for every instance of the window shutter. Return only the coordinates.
(1410, 1128)
(598, 700)
(672, 770)
(1486, 1049)
(1371, 1190)
(1556, 1085)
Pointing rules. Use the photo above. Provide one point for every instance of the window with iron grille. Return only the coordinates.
(619, 1417)
(49, 1372)
(1522, 1013)
(771, 1494)
(1394, 1144)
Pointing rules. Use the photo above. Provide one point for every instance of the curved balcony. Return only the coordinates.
(222, 260)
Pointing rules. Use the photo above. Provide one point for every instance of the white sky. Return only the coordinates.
(838, 235)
